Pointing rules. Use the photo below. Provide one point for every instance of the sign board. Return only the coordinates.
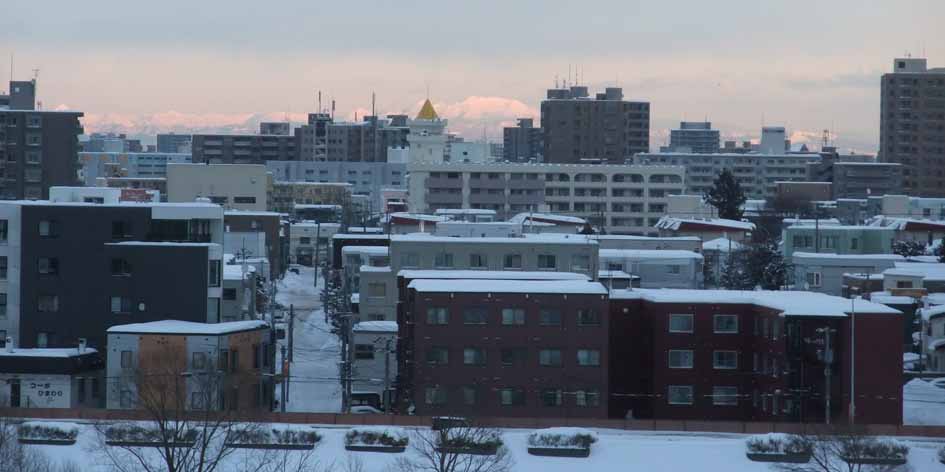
(136, 195)
(47, 391)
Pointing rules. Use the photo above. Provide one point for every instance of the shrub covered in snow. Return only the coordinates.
(776, 443)
(875, 448)
(134, 433)
(487, 439)
(576, 438)
(941, 455)
(49, 430)
(274, 436)
(390, 437)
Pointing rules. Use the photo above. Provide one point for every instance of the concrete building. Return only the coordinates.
(126, 164)
(856, 176)
(656, 268)
(605, 128)
(912, 122)
(313, 137)
(460, 150)
(522, 142)
(823, 272)
(234, 186)
(306, 236)
(375, 363)
(366, 178)
(366, 141)
(427, 138)
(540, 349)
(257, 234)
(838, 239)
(83, 261)
(224, 366)
(623, 199)
(238, 300)
(691, 136)
(288, 195)
(243, 148)
(39, 149)
(72, 377)
(706, 229)
(174, 143)
(275, 128)
(149, 185)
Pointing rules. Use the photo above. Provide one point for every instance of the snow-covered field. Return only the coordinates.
(614, 451)
(923, 404)
(314, 385)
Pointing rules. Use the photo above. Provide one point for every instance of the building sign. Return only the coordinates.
(135, 195)
(45, 392)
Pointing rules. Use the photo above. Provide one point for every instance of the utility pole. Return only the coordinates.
(346, 351)
(852, 357)
(828, 363)
(318, 236)
(285, 380)
(291, 331)
(386, 395)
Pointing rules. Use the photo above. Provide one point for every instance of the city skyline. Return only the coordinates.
(482, 64)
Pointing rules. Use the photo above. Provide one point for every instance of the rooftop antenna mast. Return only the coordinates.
(319, 106)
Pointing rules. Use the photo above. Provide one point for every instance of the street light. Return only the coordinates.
(853, 291)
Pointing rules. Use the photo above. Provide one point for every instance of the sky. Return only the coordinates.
(224, 65)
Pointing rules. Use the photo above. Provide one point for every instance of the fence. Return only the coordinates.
(736, 427)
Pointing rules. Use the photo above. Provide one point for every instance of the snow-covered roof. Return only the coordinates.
(464, 211)
(627, 237)
(547, 218)
(355, 298)
(904, 224)
(415, 217)
(934, 345)
(848, 257)
(811, 226)
(375, 327)
(887, 298)
(615, 274)
(490, 275)
(366, 250)
(46, 352)
(803, 221)
(789, 303)
(524, 239)
(235, 271)
(360, 235)
(188, 327)
(673, 223)
(721, 245)
(644, 254)
(369, 268)
(928, 271)
(500, 286)
(160, 243)
(251, 213)
(928, 313)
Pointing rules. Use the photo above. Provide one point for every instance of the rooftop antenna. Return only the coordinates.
(569, 75)
(373, 98)
(333, 109)
(319, 109)
(12, 65)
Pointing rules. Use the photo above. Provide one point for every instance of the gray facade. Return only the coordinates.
(656, 268)
(126, 164)
(366, 141)
(694, 137)
(819, 272)
(912, 125)
(173, 143)
(523, 142)
(366, 178)
(39, 149)
(605, 128)
(243, 148)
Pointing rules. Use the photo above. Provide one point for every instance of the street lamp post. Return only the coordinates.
(853, 290)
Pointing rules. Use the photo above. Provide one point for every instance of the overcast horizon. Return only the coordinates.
(215, 65)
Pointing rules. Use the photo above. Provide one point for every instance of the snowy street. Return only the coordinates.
(313, 384)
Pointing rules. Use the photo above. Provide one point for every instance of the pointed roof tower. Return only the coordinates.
(427, 112)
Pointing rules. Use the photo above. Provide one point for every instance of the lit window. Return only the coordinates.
(549, 357)
(725, 323)
(513, 316)
(680, 323)
(680, 395)
(680, 359)
(588, 357)
(437, 316)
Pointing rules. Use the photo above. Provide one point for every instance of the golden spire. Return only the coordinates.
(427, 112)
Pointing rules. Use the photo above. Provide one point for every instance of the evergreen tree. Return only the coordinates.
(734, 276)
(727, 196)
(333, 300)
(766, 266)
(941, 250)
(908, 248)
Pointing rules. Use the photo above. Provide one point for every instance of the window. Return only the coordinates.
(474, 356)
(549, 357)
(514, 356)
(33, 174)
(725, 396)
(125, 359)
(47, 303)
(234, 360)
(3, 312)
(305, 240)
(680, 394)
(437, 316)
(550, 317)
(478, 261)
(48, 229)
(443, 260)
(725, 359)
(854, 243)
(410, 260)
(587, 398)
(229, 294)
(474, 316)
(673, 269)
(213, 274)
(513, 316)
(364, 351)
(765, 327)
(244, 200)
(680, 359)
(121, 267)
(377, 290)
(200, 360)
(120, 304)
(3, 231)
(547, 262)
(3, 267)
(588, 317)
(469, 395)
(588, 357)
(513, 261)
(813, 279)
(213, 310)
(725, 324)
(438, 356)
(121, 229)
(581, 263)
(551, 397)
(435, 396)
(680, 323)
(48, 265)
(223, 360)
(80, 387)
(512, 396)
(42, 339)
(776, 329)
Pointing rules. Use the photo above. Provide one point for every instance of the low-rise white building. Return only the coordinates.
(375, 363)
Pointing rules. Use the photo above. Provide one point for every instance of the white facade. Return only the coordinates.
(375, 360)
(235, 186)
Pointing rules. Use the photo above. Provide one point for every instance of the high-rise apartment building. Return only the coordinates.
(243, 148)
(38, 149)
(912, 125)
(522, 143)
(694, 137)
(605, 128)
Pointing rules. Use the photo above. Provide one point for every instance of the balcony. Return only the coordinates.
(444, 198)
(444, 182)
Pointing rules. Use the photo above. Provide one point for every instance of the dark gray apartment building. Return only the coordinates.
(243, 148)
(323, 139)
(693, 136)
(38, 149)
(173, 143)
(605, 128)
(522, 143)
(912, 125)
(85, 261)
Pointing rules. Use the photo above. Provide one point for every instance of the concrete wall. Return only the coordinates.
(236, 186)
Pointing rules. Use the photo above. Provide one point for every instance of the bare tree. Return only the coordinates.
(845, 449)
(457, 448)
(23, 458)
(188, 415)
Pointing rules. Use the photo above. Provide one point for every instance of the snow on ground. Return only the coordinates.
(314, 384)
(615, 450)
(923, 403)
